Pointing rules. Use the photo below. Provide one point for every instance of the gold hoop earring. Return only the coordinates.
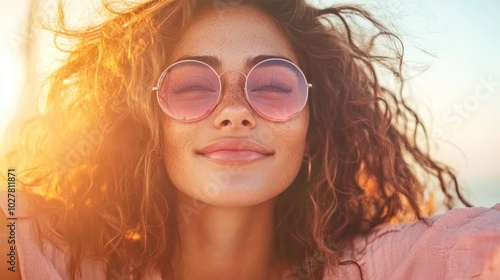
(309, 169)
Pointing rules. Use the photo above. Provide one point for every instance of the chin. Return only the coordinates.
(240, 193)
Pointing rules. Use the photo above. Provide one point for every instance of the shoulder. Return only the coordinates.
(461, 244)
(38, 259)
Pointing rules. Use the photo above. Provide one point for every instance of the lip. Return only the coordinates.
(234, 151)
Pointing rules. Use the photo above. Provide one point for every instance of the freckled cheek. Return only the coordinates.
(176, 145)
(295, 149)
(292, 147)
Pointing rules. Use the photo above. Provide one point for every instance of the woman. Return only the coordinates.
(237, 140)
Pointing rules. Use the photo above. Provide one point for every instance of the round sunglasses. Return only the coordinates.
(189, 90)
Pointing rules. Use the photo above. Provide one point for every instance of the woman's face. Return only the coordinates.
(234, 157)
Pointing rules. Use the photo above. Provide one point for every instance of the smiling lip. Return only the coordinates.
(234, 151)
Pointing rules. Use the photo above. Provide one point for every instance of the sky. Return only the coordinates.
(457, 41)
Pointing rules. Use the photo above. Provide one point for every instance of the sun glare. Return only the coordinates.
(10, 79)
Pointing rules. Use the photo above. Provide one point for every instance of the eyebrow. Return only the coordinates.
(216, 62)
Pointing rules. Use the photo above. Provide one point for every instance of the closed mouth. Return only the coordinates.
(234, 151)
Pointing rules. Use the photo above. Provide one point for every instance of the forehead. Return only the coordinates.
(234, 36)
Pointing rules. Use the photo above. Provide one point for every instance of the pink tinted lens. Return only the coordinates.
(277, 89)
(189, 90)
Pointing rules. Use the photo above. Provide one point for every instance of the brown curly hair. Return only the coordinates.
(93, 155)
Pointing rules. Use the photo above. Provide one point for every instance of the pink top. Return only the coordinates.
(461, 244)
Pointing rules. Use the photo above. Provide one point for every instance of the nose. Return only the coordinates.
(233, 110)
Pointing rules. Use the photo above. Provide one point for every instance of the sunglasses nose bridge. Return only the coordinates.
(232, 92)
(233, 108)
(231, 83)
(228, 71)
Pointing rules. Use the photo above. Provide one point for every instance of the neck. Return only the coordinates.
(225, 242)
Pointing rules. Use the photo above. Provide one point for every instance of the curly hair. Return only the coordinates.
(92, 158)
